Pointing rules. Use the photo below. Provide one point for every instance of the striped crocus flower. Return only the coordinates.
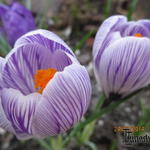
(17, 20)
(121, 54)
(44, 89)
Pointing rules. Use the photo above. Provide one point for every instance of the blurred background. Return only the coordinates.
(76, 21)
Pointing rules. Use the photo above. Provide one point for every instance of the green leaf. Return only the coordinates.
(44, 144)
(132, 8)
(4, 46)
(144, 119)
(91, 145)
(107, 8)
(56, 143)
(87, 132)
(113, 146)
(81, 43)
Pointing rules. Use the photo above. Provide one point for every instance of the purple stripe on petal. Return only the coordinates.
(130, 69)
(108, 27)
(145, 22)
(20, 110)
(141, 75)
(108, 40)
(64, 94)
(22, 77)
(4, 122)
(21, 66)
(45, 38)
(2, 63)
(135, 27)
(130, 59)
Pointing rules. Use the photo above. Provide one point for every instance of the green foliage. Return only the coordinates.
(56, 143)
(91, 145)
(4, 46)
(144, 119)
(132, 8)
(85, 135)
(44, 144)
(113, 146)
(41, 21)
(107, 8)
(81, 43)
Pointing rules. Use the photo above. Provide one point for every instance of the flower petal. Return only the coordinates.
(46, 38)
(146, 23)
(108, 26)
(66, 99)
(19, 110)
(60, 60)
(109, 40)
(22, 65)
(125, 66)
(131, 28)
(4, 122)
(3, 9)
(17, 21)
(2, 62)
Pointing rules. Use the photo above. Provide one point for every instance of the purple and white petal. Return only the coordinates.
(21, 66)
(19, 110)
(145, 22)
(108, 26)
(125, 66)
(66, 99)
(108, 40)
(60, 60)
(2, 63)
(131, 28)
(4, 122)
(46, 38)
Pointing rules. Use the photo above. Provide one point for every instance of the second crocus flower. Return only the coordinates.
(121, 54)
(16, 20)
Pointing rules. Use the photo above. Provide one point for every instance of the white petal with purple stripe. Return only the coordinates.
(66, 99)
(108, 26)
(46, 38)
(19, 110)
(125, 66)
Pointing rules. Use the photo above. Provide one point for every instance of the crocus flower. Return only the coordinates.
(17, 20)
(44, 89)
(121, 54)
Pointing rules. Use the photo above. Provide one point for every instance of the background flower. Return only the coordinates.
(17, 20)
(53, 106)
(121, 54)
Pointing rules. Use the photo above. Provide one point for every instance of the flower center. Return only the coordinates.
(42, 77)
(138, 35)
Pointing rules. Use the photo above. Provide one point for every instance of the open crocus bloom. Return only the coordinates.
(44, 90)
(121, 54)
(17, 20)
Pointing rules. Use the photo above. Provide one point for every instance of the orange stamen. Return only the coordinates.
(138, 35)
(42, 77)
